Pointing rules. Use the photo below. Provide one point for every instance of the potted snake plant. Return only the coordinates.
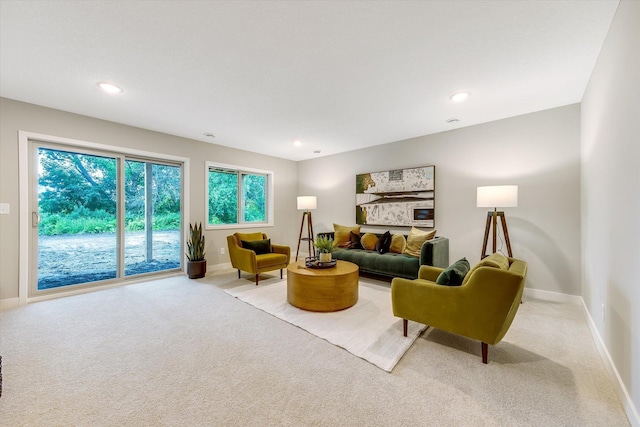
(197, 265)
(325, 247)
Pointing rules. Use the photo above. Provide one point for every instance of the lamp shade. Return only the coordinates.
(497, 196)
(307, 202)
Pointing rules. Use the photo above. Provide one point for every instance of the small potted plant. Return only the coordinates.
(325, 247)
(197, 265)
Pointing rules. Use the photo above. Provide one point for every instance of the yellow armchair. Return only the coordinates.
(247, 260)
(482, 308)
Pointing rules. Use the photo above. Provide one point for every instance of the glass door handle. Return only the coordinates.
(35, 219)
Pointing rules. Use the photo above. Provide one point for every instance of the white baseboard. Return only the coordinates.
(223, 266)
(551, 296)
(8, 303)
(621, 390)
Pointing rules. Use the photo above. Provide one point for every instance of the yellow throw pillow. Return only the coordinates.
(415, 240)
(342, 234)
(496, 260)
(368, 241)
(398, 243)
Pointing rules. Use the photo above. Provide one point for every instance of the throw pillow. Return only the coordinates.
(368, 241)
(247, 236)
(355, 241)
(415, 240)
(342, 234)
(258, 246)
(398, 243)
(496, 260)
(454, 274)
(382, 246)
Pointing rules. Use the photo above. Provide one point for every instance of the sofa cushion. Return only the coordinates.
(415, 240)
(258, 246)
(398, 243)
(454, 274)
(368, 241)
(342, 234)
(383, 243)
(388, 264)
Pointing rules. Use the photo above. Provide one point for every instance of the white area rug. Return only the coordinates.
(368, 329)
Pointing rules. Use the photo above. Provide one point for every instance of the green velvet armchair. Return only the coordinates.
(482, 308)
(253, 260)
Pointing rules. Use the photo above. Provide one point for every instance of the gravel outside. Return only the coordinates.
(81, 258)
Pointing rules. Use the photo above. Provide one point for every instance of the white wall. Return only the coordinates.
(611, 197)
(539, 152)
(15, 116)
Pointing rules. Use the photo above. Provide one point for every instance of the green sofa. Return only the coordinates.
(434, 252)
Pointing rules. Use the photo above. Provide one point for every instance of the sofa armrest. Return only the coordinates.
(428, 272)
(281, 249)
(243, 259)
(435, 252)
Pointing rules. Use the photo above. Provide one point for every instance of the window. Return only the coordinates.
(238, 197)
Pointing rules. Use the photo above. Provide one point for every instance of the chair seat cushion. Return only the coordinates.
(270, 259)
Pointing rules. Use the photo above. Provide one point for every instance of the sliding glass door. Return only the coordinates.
(100, 216)
(152, 217)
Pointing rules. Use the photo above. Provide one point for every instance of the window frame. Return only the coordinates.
(26, 140)
(269, 208)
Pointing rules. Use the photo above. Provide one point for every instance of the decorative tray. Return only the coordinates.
(313, 262)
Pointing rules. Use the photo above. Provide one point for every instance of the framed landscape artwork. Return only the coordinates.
(400, 197)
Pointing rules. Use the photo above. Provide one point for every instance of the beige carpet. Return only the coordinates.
(367, 330)
(179, 352)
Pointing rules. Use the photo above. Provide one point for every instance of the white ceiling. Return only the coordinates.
(338, 75)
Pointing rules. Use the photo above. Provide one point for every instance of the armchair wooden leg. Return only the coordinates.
(485, 349)
(257, 279)
(238, 274)
(405, 323)
(281, 273)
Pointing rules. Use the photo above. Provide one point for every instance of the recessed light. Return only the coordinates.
(209, 135)
(297, 142)
(453, 120)
(317, 152)
(459, 97)
(109, 87)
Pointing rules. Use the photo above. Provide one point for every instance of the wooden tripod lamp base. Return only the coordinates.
(492, 219)
(489, 197)
(309, 237)
(307, 203)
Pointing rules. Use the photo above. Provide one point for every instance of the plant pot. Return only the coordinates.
(196, 269)
(325, 257)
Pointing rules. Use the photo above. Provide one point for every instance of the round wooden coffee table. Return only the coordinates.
(322, 289)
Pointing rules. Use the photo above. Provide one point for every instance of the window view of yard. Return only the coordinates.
(236, 197)
(77, 233)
